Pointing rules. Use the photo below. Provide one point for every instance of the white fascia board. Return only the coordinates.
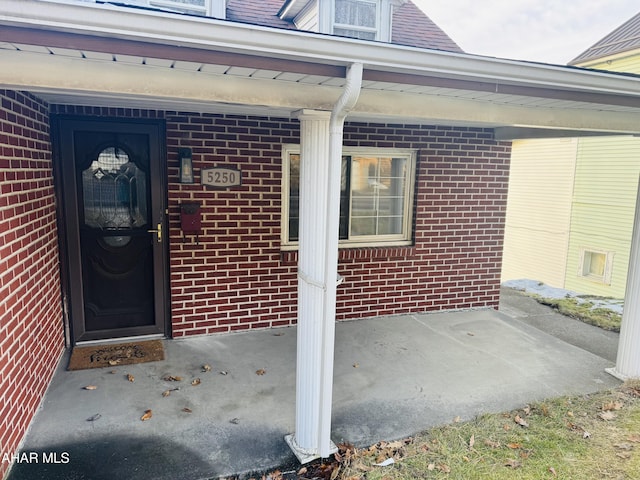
(205, 33)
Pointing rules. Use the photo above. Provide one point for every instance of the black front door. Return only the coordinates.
(114, 209)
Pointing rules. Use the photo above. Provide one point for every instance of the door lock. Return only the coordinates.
(157, 231)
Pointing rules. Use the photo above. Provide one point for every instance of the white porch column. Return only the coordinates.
(628, 359)
(320, 172)
(317, 267)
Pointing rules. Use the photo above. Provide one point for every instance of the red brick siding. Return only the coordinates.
(460, 207)
(236, 277)
(31, 327)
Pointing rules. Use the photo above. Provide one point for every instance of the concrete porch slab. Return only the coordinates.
(394, 376)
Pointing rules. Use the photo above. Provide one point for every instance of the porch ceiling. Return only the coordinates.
(64, 64)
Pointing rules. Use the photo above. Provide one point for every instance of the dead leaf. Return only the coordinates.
(623, 446)
(506, 427)
(147, 415)
(235, 421)
(444, 468)
(514, 446)
(527, 410)
(195, 382)
(471, 334)
(172, 378)
(612, 406)
(113, 363)
(491, 443)
(606, 416)
(586, 435)
(356, 365)
(166, 393)
(635, 438)
(90, 387)
(624, 455)
(262, 371)
(206, 367)
(553, 471)
(130, 378)
(431, 466)
(521, 421)
(275, 475)
(187, 410)
(513, 463)
(335, 473)
(472, 441)
(93, 418)
(457, 419)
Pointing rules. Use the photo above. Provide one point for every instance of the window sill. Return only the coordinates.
(359, 253)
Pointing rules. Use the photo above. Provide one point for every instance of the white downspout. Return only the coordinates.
(321, 136)
(341, 109)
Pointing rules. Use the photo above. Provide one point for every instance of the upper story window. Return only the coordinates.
(357, 18)
(205, 8)
(194, 7)
(364, 19)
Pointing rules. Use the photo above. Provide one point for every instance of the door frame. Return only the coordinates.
(62, 128)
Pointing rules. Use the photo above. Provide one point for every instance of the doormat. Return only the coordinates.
(98, 356)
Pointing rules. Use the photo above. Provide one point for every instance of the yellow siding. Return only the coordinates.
(539, 210)
(606, 182)
(628, 62)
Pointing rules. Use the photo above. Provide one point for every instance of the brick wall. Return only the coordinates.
(31, 328)
(235, 277)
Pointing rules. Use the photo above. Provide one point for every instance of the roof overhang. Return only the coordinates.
(93, 54)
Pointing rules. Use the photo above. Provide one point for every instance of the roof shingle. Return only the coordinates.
(624, 38)
(411, 26)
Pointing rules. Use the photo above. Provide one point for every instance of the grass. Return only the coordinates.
(582, 437)
(584, 310)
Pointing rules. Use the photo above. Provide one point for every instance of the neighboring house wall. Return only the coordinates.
(628, 62)
(237, 276)
(31, 325)
(604, 197)
(539, 210)
(603, 191)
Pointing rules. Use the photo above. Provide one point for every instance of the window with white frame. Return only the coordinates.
(194, 7)
(596, 265)
(376, 196)
(209, 8)
(357, 19)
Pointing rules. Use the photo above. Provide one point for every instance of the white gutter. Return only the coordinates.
(206, 33)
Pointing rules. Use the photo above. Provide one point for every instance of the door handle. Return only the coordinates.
(157, 231)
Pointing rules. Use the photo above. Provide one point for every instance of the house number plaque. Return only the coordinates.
(221, 177)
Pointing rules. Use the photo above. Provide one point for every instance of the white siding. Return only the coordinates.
(539, 210)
